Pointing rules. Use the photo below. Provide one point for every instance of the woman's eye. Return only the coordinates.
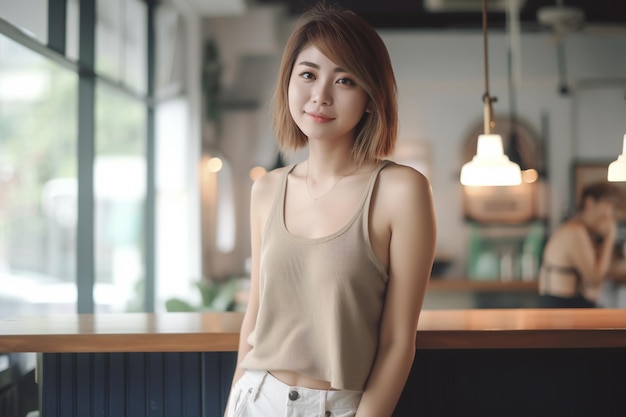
(306, 75)
(346, 81)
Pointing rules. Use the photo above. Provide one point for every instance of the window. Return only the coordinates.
(37, 183)
(39, 166)
(120, 190)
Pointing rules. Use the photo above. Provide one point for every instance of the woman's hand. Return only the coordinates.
(608, 228)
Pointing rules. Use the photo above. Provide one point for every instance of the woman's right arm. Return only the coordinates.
(252, 307)
(249, 319)
(593, 263)
(261, 200)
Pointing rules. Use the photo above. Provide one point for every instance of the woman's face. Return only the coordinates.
(603, 210)
(325, 100)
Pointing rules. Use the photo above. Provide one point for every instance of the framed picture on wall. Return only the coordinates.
(589, 171)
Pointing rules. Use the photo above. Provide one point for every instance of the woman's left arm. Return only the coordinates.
(408, 207)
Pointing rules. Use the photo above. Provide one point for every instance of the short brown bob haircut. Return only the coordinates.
(604, 191)
(352, 43)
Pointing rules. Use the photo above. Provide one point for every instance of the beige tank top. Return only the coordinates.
(320, 300)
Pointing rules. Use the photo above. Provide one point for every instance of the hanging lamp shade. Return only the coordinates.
(490, 166)
(617, 168)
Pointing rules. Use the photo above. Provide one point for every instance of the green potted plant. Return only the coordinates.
(215, 296)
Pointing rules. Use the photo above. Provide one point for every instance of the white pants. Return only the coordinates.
(259, 394)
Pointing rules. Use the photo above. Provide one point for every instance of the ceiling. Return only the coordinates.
(464, 14)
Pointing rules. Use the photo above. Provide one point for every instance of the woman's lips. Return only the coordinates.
(318, 117)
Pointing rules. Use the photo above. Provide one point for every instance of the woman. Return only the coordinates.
(342, 243)
(579, 253)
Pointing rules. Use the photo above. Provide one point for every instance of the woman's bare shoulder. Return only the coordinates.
(403, 190)
(397, 180)
(268, 183)
(569, 231)
(571, 226)
(264, 191)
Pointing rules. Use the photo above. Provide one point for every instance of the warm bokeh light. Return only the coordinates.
(530, 175)
(214, 164)
(257, 172)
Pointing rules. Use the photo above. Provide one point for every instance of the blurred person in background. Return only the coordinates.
(579, 254)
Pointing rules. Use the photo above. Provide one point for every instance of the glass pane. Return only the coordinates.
(177, 257)
(37, 183)
(135, 45)
(121, 41)
(109, 27)
(29, 15)
(119, 184)
(170, 56)
(72, 29)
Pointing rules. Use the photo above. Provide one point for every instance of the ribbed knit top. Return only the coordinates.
(320, 299)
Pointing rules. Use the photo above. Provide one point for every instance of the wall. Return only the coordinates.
(440, 80)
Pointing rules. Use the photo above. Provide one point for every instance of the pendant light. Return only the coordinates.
(490, 166)
(617, 168)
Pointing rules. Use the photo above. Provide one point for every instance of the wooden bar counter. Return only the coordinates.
(509, 362)
(219, 332)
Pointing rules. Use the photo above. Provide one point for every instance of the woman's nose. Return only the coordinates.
(321, 95)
